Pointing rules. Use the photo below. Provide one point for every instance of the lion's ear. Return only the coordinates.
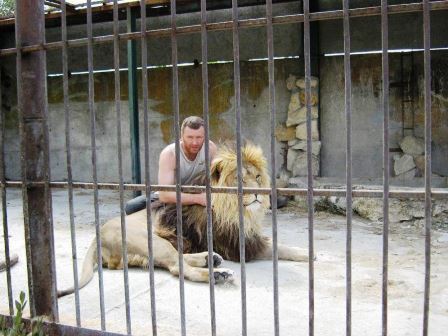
(215, 170)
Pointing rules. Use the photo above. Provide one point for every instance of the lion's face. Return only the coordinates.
(254, 175)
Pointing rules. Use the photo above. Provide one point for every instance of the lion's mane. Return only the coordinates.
(225, 214)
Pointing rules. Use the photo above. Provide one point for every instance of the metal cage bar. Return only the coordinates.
(237, 92)
(428, 168)
(124, 248)
(180, 245)
(348, 165)
(384, 10)
(205, 107)
(417, 193)
(386, 159)
(307, 56)
(149, 225)
(4, 206)
(94, 167)
(69, 159)
(272, 110)
(34, 151)
(244, 23)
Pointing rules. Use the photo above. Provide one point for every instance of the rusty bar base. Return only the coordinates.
(56, 329)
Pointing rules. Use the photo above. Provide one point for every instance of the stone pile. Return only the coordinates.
(401, 211)
(294, 130)
(412, 162)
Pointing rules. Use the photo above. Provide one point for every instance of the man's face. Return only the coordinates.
(193, 139)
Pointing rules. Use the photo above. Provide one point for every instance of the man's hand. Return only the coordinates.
(200, 199)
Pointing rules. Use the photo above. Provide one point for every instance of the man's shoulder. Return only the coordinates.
(168, 151)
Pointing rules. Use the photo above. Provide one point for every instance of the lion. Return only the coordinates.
(225, 221)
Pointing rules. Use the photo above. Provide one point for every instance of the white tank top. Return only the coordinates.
(189, 169)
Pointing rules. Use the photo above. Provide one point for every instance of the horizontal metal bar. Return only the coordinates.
(417, 193)
(227, 25)
(56, 329)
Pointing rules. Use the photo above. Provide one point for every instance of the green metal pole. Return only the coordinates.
(133, 100)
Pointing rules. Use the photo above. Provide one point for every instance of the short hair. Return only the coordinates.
(192, 122)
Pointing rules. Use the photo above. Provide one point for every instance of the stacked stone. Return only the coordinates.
(412, 162)
(297, 152)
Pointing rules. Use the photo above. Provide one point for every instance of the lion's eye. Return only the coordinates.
(258, 177)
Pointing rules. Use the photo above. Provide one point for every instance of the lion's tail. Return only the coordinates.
(88, 267)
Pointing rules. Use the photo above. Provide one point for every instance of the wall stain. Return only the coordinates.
(254, 80)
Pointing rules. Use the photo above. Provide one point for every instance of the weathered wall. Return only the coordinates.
(405, 31)
(367, 116)
(254, 110)
(254, 93)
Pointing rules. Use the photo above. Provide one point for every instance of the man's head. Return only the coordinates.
(193, 134)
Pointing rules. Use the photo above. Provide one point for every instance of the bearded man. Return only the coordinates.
(192, 163)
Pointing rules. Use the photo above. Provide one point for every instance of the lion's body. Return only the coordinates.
(194, 227)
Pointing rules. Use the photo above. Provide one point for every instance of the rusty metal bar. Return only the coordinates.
(417, 193)
(94, 168)
(144, 50)
(227, 25)
(56, 329)
(428, 167)
(124, 248)
(348, 171)
(272, 110)
(33, 114)
(237, 90)
(4, 206)
(180, 245)
(208, 194)
(309, 155)
(69, 158)
(406, 8)
(386, 159)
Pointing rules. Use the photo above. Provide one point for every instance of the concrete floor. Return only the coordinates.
(406, 277)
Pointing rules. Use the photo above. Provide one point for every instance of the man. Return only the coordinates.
(192, 162)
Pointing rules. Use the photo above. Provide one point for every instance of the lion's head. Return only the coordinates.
(224, 173)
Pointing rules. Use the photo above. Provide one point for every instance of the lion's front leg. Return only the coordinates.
(285, 253)
(201, 259)
(166, 256)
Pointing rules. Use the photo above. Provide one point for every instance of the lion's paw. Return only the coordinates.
(217, 260)
(223, 275)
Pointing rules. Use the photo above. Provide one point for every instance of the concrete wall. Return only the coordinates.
(367, 115)
(405, 32)
(254, 93)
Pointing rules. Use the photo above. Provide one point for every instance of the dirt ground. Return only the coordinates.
(406, 279)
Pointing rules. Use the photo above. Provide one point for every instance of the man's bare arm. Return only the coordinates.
(213, 150)
(167, 169)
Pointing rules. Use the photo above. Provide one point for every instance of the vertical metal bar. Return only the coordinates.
(33, 114)
(4, 206)
(272, 110)
(94, 168)
(428, 168)
(180, 245)
(147, 171)
(124, 248)
(348, 171)
(133, 99)
(237, 82)
(69, 157)
(306, 45)
(205, 108)
(386, 168)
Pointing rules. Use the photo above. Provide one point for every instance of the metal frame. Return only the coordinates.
(36, 179)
